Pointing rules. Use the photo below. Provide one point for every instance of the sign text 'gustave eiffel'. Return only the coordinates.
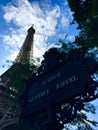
(58, 86)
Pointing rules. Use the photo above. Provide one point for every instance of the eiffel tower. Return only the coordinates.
(10, 81)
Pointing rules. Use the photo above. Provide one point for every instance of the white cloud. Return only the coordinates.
(64, 21)
(12, 55)
(71, 38)
(14, 39)
(23, 15)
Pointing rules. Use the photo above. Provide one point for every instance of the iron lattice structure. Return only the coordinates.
(9, 112)
(26, 53)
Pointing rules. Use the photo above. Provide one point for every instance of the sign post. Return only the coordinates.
(65, 82)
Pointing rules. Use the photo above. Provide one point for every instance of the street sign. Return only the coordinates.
(60, 85)
(55, 86)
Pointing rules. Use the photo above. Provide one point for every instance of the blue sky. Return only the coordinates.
(50, 18)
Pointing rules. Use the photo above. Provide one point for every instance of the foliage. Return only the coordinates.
(85, 13)
(81, 122)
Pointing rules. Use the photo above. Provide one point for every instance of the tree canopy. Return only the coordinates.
(85, 13)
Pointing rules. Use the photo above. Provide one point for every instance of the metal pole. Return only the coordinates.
(51, 122)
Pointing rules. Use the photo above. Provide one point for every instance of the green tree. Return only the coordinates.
(85, 13)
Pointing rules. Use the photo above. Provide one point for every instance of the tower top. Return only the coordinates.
(31, 30)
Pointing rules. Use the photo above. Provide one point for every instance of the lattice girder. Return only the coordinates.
(8, 114)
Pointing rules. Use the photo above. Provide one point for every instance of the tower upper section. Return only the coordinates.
(24, 56)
